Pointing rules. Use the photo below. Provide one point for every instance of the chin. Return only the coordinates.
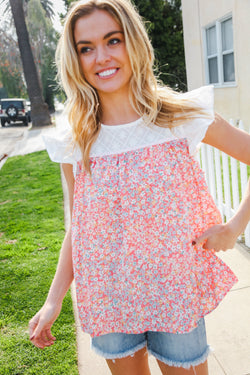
(113, 89)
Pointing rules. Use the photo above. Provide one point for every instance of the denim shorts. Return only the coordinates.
(178, 350)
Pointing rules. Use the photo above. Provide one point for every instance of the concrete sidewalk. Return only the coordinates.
(228, 327)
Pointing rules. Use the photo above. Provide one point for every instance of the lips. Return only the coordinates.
(107, 73)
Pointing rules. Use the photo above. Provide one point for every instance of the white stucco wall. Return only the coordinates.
(231, 102)
(192, 43)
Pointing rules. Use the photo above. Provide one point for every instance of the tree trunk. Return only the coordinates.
(39, 110)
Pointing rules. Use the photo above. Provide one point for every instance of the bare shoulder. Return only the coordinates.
(229, 139)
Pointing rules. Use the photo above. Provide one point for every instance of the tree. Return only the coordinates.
(39, 109)
(43, 44)
(166, 33)
(46, 4)
(43, 39)
(11, 75)
(67, 3)
(48, 8)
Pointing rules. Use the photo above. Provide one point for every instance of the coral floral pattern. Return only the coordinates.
(132, 227)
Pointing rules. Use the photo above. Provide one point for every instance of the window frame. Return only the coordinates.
(220, 53)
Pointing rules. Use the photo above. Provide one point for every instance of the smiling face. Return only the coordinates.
(102, 53)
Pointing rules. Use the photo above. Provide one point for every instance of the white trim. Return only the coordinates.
(204, 38)
(226, 84)
(219, 49)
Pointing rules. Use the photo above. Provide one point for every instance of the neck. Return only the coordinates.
(117, 110)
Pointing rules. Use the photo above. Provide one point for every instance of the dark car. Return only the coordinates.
(13, 110)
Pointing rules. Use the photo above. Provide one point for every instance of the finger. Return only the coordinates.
(211, 245)
(49, 335)
(45, 339)
(32, 327)
(41, 342)
(37, 342)
(38, 330)
(206, 246)
(42, 337)
(201, 238)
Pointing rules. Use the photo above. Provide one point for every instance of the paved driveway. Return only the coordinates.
(9, 135)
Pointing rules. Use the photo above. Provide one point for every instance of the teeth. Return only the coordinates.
(107, 73)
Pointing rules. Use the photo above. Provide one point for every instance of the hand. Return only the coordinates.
(40, 325)
(218, 237)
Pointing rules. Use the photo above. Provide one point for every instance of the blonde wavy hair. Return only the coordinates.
(156, 103)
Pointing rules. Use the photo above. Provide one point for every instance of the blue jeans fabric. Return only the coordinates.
(179, 350)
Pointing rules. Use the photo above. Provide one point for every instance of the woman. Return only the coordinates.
(144, 230)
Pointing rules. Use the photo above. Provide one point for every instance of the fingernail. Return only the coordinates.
(193, 243)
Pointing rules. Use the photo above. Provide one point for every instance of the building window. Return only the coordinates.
(219, 52)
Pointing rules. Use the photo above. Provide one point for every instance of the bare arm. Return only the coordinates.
(235, 143)
(40, 325)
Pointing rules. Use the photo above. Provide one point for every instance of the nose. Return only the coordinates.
(102, 55)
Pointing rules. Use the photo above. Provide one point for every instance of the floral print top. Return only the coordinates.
(133, 224)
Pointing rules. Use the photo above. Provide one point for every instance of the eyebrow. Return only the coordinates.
(106, 36)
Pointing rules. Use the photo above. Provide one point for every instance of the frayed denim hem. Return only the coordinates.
(186, 365)
(127, 353)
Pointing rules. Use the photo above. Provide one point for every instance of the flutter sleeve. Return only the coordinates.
(194, 130)
(60, 146)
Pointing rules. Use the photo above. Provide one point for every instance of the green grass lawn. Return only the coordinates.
(31, 233)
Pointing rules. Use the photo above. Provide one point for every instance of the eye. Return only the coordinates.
(83, 50)
(114, 41)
